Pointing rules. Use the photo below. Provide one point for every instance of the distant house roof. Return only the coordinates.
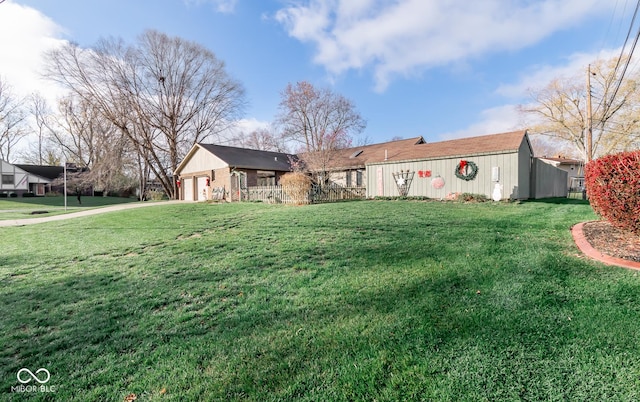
(562, 160)
(245, 158)
(480, 145)
(358, 157)
(47, 172)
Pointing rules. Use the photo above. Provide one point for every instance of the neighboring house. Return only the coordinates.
(214, 171)
(41, 177)
(504, 161)
(573, 167)
(348, 166)
(20, 179)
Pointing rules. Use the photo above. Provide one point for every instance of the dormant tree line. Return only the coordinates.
(132, 111)
(135, 110)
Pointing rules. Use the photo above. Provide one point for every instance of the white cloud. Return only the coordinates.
(401, 37)
(222, 6)
(506, 117)
(26, 34)
(500, 119)
(539, 76)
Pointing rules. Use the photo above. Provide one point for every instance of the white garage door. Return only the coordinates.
(202, 188)
(188, 190)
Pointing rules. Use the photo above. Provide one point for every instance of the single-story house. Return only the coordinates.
(211, 171)
(348, 166)
(498, 165)
(20, 179)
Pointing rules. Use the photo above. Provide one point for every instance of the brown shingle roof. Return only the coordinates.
(359, 156)
(485, 144)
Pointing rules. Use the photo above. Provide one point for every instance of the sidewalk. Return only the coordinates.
(89, 212)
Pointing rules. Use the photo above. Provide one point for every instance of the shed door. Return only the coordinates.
(188, 190)
(202, 188)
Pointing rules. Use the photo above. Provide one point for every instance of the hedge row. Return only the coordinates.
(613, 187)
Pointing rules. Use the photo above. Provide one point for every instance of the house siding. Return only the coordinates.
(20, 178)
(445, 168)
(203, 160)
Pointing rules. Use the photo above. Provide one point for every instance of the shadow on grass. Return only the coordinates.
(558, 201)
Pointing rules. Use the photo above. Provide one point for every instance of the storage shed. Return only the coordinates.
(478, 165)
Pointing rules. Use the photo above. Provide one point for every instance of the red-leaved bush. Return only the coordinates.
(613, 187)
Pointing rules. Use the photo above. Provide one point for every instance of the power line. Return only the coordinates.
(608, 104)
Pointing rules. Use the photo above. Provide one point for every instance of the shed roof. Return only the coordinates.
(245, 158)
(480, 145)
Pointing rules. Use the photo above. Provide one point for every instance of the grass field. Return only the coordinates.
(20, 208)
(371, 300)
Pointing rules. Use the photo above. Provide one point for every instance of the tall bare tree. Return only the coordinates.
(12, 117)
(164, 93)
(561, 110)
(89, 140)
(319, 120)
(262, 139)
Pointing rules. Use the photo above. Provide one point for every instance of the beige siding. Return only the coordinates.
(421, 186)
(201, 161)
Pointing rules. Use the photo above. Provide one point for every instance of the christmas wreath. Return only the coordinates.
(466, 170)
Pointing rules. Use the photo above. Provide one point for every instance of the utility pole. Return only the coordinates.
(589, 129)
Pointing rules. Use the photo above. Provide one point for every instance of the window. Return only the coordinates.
(359, 178)
(266, 178)
(348, 184)
(8, 179)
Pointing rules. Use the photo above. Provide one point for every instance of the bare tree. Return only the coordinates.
(561, 111)
(91, 142)
(12, 116)
(165, 94)
(320, 121)
(262, 139)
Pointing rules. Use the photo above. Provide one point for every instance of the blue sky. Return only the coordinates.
(440, 69)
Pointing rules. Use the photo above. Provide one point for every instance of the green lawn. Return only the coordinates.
(371, 300)
(19, 208)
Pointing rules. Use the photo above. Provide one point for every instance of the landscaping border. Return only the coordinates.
(579, 238)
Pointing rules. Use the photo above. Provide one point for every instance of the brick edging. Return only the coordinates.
(584, 246)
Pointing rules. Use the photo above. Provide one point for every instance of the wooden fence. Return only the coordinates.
(318, 194)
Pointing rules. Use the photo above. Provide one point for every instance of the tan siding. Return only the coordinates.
(200, 161)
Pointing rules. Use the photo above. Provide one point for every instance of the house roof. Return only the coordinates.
(245, 158)
(359, 156)
(480, 145)
(47, 172)
(563, 161)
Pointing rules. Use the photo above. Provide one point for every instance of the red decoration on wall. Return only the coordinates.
(178, 183)
(208, 182)
(463, 164)
(424, 173)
